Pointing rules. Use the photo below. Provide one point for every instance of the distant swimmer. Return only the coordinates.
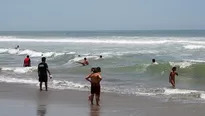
(94, 79)
(154, 62)
(172, 76)
(79, 56)
(27, 61)
(85, 62)
(100, 56)
(42, 73)
(17, 47)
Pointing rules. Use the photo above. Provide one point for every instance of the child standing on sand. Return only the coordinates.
(172, 76)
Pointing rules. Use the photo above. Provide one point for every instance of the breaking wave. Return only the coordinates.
(62, 84)
(32, 53)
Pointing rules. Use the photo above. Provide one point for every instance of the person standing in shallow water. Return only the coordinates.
(42, 73)
(172, 76)
(94, 80)
(27, 61)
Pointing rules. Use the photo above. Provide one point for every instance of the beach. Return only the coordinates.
(24, 100)
(131, 85)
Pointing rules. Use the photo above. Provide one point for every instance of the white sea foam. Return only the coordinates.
(18, 80)
(192, 47)
(203, 96)
(194, 61)
(112, 40)
(32, 53)
(181, 64)
(178, 91)
(56, 84)
(62, 84)
(19, 69)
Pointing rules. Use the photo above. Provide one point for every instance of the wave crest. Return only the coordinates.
(32, 53)
(19, 69)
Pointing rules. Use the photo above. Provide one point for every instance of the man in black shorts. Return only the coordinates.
(42, 73)
(94, 80)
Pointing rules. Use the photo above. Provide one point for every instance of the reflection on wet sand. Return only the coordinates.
(94, 110)
(42, 103)
(41, 110)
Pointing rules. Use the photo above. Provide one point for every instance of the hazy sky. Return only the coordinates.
(101, 14)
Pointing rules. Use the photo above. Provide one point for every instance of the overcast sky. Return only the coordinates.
(101, 14)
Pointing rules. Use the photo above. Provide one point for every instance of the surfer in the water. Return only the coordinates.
(84, 62)
(172, 76)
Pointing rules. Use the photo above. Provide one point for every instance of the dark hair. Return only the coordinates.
(98, 69)
(85, 58)
(153, 60)
(27, 56)
(95, 70)
(43, 59)
(174, 68)
(100, 56)
(92, 69)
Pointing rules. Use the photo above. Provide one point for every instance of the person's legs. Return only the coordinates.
(91, 98)
(97, 99)
(173, 83)
(46, 85)
(92, 93)
(40, 86)
(97, 95)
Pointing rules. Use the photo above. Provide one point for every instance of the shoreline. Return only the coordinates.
(18, 97)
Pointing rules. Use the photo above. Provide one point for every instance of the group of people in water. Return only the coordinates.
(94, 78)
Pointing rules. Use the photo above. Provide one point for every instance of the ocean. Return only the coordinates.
(126, 64)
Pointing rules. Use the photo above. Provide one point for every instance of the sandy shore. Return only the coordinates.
(25, 100)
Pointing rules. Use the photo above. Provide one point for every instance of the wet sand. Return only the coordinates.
(26, 100)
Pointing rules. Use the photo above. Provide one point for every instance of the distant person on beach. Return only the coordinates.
(154, 61)
(172, 76)
(17, 47)
(42, 73)
(84, 62)
(27, 61)
(94, 79)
